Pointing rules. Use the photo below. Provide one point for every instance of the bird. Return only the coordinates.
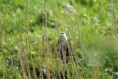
(63, 48)
(61, 41)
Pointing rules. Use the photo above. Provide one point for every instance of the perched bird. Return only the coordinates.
(62, 47)
(62, 39)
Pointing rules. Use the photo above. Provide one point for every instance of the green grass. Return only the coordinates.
(29, 35)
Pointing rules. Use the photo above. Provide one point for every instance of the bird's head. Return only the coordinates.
(62, 32)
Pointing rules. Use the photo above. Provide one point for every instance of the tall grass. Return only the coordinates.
(27, 55)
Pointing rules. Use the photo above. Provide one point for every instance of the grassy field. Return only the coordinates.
(29, 32)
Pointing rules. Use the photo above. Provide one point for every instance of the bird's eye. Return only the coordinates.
(62, 33)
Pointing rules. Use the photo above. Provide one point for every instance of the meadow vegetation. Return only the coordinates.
(29, 32)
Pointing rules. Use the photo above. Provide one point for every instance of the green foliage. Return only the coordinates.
(29, 38)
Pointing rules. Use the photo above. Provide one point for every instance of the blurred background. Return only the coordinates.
(29, 32)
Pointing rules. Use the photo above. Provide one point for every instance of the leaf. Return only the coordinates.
(33, 52)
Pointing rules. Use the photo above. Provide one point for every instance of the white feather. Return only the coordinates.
(62, 39)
